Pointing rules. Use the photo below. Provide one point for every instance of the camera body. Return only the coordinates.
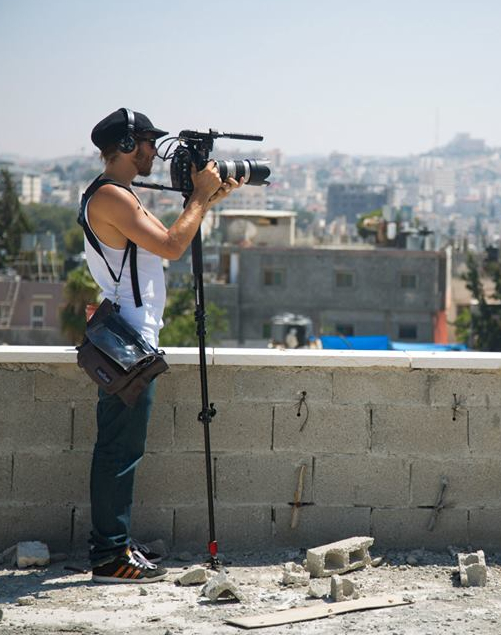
(195, 147)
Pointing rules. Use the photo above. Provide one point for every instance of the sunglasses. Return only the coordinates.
(151, 141)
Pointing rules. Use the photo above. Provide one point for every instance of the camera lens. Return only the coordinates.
(254, 171)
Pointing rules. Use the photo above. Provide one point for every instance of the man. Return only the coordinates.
(115, 215)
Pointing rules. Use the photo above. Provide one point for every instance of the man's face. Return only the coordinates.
(145, 154)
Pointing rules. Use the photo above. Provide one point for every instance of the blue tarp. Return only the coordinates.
(357, 342)
(382, 343)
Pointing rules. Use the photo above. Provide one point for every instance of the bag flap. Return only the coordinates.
(115, 337)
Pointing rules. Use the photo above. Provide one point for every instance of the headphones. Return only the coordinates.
(127, 143)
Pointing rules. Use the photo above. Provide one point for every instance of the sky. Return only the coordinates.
(367, 77)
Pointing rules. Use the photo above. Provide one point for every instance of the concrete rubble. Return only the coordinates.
(472, 569)
(222, 587)
(339, 557)
(317, 588)
(32, 553)
(343, 589)
(194, 575)
(295, 575)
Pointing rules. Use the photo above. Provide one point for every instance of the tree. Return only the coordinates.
(51, 218)
(74, 240)
(480, 326)
(179, 318)
(79, 290)
(13, 221)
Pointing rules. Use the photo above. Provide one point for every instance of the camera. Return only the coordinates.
(195, 147)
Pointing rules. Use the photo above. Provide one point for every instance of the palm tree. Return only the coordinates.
(79, 290)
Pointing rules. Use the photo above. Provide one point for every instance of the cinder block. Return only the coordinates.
(485, 431)
(339, 557)
(59, 477)
(483, 529)
(408, 528)
(18, 385)
(35, 425)
(380, 386)
(160, 428)
(261, 478)
(238, 527)
(182, 384)
(152, 522)
(471, 482)
(343, 589)
(242, 427)
(328, 428)
(418, 430)
(5, 476)
(319, 525)
(84, 426)
(54, 380)
(361, 479)
(277, 385)
(472, 389)
(48, 523)
(472, 569)
(170, 479)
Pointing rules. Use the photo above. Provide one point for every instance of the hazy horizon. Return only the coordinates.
(383, 79)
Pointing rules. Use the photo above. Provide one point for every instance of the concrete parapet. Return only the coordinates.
(375, 434)
(419, 431)
(320, 426)
(339, 557)
(472, 569)
(362, 479)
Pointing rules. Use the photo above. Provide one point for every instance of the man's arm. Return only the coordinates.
(116, 211)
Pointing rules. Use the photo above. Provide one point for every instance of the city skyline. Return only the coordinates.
(360, 79)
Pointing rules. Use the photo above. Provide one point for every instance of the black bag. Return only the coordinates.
(116, 356)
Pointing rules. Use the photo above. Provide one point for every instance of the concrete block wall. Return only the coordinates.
(376, 431)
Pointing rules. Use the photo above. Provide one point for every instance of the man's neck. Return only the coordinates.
(120, 174)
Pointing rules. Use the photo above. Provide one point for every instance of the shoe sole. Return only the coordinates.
(106, 579)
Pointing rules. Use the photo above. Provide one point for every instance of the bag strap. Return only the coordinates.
(130, 247)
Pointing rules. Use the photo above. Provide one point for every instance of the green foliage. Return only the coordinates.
(480, 327)
(13, 221)
(364, 231)
(79, 290)
(50, 218)
(74, 240)
(179, 318)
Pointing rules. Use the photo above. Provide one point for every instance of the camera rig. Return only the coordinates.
(194, 147)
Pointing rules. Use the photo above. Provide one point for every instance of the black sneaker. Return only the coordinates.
(145, 551)
(128, 568)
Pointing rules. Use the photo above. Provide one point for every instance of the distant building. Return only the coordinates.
(31, 188)
(352, 199)
(358, 291)
(463, 143)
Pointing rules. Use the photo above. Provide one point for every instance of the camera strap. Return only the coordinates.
(129, 248)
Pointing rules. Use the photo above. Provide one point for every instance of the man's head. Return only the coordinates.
(127, 132)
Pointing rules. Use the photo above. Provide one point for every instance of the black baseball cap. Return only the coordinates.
(114, 127)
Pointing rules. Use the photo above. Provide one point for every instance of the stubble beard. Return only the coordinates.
(144, 163)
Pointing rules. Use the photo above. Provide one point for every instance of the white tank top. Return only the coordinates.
(146, 319)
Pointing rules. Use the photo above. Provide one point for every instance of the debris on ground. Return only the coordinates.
(472, 569)
(222, 587)
(32, 553)
(343, 589)
(294, 574)
(339, 557)
(194, 575)
(318, 588)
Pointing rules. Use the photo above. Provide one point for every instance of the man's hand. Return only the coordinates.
(226, 188)
(206, 182)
